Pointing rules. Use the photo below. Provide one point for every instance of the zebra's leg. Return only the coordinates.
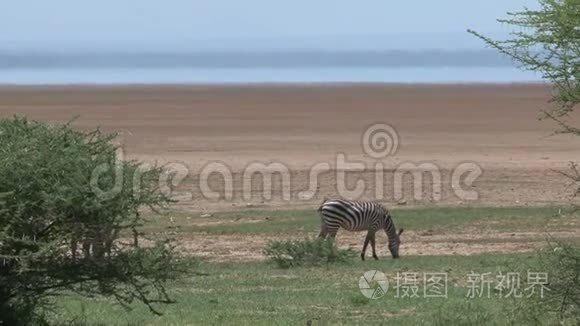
(73, 248)
(331, 233)
(373, 246)
(323, 230)
(364, 250)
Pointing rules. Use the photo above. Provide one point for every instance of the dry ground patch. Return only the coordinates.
(495, 126)
(436, 231)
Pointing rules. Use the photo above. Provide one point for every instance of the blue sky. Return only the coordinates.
(182, 24)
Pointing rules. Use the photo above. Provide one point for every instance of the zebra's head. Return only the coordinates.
(394, 244)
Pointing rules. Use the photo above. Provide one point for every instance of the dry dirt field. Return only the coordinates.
(493, 126)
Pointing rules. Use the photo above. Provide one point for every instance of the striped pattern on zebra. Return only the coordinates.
(356, 216)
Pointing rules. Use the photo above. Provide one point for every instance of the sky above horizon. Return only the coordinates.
(183, 25)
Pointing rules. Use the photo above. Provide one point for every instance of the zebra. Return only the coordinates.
(358, 216)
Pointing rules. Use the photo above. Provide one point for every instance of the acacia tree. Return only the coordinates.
(58, 234)
(547, 41)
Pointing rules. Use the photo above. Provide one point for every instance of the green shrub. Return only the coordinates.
(559, 303)
(561, 261)
(69, 221)
(316, 252)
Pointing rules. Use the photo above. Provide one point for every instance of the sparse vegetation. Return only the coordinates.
(308, 252)
(260, 292)
(305, 222)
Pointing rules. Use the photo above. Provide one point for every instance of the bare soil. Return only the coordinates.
(244, 248)
(493, 126)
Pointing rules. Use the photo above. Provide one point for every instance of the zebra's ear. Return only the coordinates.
(400, 231)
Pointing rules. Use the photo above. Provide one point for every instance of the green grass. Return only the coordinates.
(416, 219)
(259, 293)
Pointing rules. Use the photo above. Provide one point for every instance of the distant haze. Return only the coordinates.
(240, 41)
(250, 59)
(193, 25)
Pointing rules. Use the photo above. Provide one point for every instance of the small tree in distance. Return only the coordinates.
(57, 235)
